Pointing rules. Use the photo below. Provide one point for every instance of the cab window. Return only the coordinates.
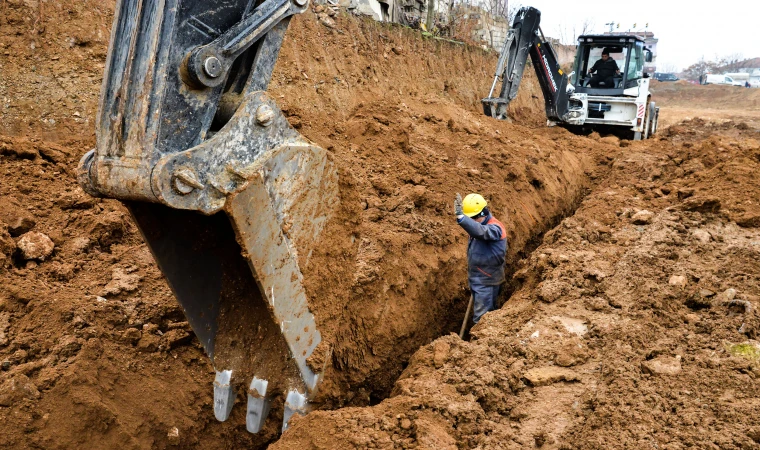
(636, 64)
(596, 54)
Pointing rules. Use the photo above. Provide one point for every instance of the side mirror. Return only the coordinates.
(648, 57)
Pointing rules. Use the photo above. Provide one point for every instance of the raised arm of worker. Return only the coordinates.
(488, 232)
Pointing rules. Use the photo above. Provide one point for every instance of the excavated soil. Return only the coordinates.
(684, 101)
(96, 350)
(635, 324)
(622, 329)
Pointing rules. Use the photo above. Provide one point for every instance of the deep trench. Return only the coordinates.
(454, 321)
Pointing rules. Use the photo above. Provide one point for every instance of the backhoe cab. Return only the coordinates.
(580, 99)
(623, 102)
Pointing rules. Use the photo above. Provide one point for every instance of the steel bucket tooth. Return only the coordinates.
(258, 405)
(224, 395)
(295, 403)
(227, 195)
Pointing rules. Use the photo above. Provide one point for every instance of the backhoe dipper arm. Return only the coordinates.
(226, 193)
(525, 39)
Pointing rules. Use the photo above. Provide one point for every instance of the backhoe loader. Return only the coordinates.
(577, 99)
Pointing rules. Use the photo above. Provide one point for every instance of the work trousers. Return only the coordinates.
(609, 82)
(483, 299)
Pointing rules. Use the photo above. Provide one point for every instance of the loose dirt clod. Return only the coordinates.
(17, 219)
(543, 376)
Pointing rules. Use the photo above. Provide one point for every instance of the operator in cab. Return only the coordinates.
(606, 69)
(486, 251)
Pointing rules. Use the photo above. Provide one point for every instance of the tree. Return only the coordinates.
(723, 64)
(699, 69)
(570, 37)
(732, 62)
(497, 8)
(430, 13)
(512, 12)
(585, 28)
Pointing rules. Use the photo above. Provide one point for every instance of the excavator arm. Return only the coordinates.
(525, 39)
(225, 192)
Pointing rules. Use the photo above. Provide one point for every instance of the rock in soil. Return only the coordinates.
(549, 375)
(17, 388)
(663, 365)
(642, 217)
(35, 245)
(121, 281)
(703, 204)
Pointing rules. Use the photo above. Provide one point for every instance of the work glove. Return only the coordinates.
(458, 205)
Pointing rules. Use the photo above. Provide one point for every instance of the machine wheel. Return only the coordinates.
(656, 121)
(649, 123)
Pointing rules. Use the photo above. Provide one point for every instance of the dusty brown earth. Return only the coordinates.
(92, 334)
(683, 101)
(633, 326)
(622, 330)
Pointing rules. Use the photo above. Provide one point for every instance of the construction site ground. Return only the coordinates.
(629, 321)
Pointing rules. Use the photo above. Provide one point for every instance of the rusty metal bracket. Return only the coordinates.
(221, 164)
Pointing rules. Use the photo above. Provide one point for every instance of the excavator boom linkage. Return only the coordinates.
(524, 39)
(225, 192)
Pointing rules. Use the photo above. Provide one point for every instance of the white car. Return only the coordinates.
(722, 79)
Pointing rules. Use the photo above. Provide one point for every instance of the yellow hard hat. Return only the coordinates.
(473, 204)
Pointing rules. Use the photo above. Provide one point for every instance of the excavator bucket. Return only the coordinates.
(227, 195)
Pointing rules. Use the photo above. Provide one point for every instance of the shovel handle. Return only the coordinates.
(466, 316)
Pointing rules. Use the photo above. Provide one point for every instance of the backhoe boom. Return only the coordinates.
(525, 39)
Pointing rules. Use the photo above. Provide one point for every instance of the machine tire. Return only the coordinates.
(649, 124)
(656, 121)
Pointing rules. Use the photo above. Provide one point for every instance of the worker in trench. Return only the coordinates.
(486, 251)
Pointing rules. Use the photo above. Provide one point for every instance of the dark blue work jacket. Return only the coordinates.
(486, 250)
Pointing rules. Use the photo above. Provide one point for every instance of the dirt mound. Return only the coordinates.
(634, 326)
(681, 101)
(712, 96)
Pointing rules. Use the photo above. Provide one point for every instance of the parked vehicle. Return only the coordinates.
(662, 76)
(738, 76)
(722, 79)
